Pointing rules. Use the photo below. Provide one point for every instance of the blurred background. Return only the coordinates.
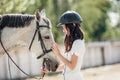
(101, 26)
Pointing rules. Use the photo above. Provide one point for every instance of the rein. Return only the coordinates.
(13, 61)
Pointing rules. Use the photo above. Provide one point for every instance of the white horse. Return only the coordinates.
(17, 31)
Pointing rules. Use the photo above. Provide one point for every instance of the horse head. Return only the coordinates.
(50, 60)
(17, 31)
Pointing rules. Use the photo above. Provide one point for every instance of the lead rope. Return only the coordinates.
(43, 67)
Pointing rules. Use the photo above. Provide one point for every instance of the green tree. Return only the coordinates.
(57, 9)
(94, 13)
(21, 6)
(116, 8)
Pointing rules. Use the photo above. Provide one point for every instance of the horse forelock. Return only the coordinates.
(15, 20)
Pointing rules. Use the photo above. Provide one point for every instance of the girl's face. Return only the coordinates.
(66, 30)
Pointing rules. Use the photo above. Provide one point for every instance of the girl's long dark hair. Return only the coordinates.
(75, 33)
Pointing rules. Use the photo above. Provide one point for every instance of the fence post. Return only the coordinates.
(103, 55)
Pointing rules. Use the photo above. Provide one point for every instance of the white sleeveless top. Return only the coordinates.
(78, 48)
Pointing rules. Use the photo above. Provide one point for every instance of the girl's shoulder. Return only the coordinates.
(79, 42)
(78, 47)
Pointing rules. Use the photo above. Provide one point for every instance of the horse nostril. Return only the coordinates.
(56, 66)
(47, 37)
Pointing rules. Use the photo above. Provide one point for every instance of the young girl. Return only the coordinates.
(71, 21)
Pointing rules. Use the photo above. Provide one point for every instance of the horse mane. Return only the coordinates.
(15, 20)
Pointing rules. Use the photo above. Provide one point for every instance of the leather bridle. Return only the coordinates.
(45, 51)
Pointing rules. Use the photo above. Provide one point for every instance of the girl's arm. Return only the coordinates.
(71, 64)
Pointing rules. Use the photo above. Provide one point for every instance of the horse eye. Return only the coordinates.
(47, 37)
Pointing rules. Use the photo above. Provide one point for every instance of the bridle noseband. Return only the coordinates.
(45, 51)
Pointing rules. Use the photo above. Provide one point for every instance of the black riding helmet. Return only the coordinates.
(70, 17)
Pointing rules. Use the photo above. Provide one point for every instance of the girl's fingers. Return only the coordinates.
(43, 71)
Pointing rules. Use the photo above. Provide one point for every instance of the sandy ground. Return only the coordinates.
(108, 72)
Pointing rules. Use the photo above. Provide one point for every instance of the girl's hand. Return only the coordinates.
(55, 49)
(43, 71)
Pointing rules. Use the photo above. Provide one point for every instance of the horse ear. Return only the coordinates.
(43, 14)
(38, 16)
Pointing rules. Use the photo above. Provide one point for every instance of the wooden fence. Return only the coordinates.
(101, 53)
